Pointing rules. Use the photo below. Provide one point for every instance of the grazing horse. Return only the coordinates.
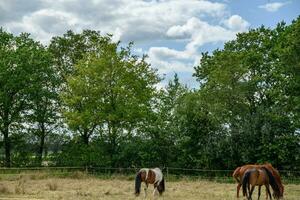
(150, 176)
(240, 171)
(263, 176)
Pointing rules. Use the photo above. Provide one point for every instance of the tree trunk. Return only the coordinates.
(7, 145)
(112, 140)
(85, 137)
(42, 144)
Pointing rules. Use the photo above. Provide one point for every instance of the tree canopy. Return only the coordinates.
(85, 100)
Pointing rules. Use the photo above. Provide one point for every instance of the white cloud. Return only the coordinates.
(273, 7)
(199, 32)
(170, 60)
(45, 23)
(237, 23)
(194, 33)
(186, 23)
(128, 19)
(167, 53)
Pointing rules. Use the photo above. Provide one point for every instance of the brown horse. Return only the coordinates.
(240, 171)
(150, 176)
(259, 177)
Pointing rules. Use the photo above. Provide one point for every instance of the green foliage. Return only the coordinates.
(200, 134)
(109, 93)
(70, 48)
(87, 101)
(76, 153)
(23, 70)
(245, 85)
(161, 130)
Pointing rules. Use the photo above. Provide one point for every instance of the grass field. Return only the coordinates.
(89, 188)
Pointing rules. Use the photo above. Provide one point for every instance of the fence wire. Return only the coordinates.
(171, 173)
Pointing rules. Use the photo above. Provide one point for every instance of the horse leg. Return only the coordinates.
(251, 191)
(145, 189)
(259, 189)
(154, 192)
(238, 190)
(247, 192)
(268, 191)
(267, 194)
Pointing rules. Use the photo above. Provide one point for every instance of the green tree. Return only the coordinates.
(200, 134)
(243, 83)
(288, 51)
(44, 103)
(21, 64)
(67, 51)
(72, 47)
(161, 130)
(109, 93)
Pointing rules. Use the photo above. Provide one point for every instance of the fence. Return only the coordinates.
(171, 173)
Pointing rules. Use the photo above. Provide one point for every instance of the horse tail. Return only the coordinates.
(161, 186)
(245, 181)
(138, 181)
(273, 183)
(235, 174)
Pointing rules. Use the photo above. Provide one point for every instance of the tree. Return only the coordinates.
(161, 130)
(243, 83)
(67, 51)
(44, 103)
(21, 64)
(109, 92)
(201, 135)
(72, 47)
(288, 51)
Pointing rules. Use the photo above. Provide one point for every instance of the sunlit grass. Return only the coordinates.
(90, 188)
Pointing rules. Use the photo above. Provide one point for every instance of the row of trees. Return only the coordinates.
(85, 100)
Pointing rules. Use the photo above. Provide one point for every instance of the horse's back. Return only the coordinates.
(244, 168)
(158, 174)
(236, 172)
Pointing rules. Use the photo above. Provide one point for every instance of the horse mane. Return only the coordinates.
(138, 181)
(276, 175)
(273, 183)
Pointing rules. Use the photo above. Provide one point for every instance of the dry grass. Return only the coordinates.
(116, 189)
(4, 189)
(52, 185)
(21, 184)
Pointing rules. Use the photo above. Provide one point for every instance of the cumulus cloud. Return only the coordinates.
(273, 7)
(237, 23)
(144, 22)
(199, 32)
(129, 19)
(166, 53)
(45, 23)
(170, 60)
(196, 33)
(14, 10)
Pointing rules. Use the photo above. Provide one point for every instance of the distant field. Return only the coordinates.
(94, 188)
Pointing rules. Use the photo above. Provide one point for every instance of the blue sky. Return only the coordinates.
(172, 32)
(257, 16)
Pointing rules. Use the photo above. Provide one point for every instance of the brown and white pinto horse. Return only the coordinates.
(150, 176)
(258, 177)
(240, 171)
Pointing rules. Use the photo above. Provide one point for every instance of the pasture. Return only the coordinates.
(119, 188)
